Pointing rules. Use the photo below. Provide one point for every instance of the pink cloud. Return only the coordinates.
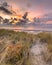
(49, 22)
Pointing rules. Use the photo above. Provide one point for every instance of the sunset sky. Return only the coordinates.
(36, 8)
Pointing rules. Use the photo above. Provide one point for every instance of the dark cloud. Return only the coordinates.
(35, 6)
(5, 10)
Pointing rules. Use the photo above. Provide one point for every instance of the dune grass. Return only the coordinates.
(17, 46)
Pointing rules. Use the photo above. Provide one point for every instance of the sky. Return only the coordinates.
(36, 8)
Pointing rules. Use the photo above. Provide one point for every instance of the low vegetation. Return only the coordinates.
(15, 46)
(46, 37)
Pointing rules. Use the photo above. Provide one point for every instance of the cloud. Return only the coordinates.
(47, 18)
(35, 7)
(48, 15)
(5, 10)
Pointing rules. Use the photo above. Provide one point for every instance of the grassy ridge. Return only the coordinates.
(17, 46)
(47, 38)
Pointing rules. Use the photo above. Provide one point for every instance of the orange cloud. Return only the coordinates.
(34, 13)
